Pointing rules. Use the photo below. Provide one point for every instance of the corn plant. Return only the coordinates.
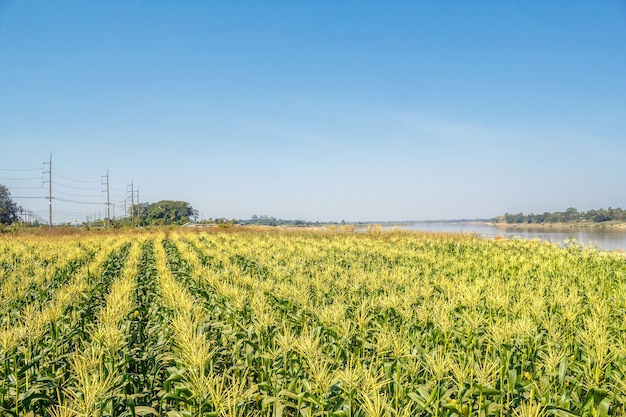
(310, 323)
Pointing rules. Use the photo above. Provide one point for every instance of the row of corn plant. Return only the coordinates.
(198, 381)
(148, 351)
(97, 368)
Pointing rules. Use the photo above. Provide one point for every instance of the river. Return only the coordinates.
(602, 238)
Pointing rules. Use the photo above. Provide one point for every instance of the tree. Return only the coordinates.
(166, 212)
(8, 209)
(571, 215)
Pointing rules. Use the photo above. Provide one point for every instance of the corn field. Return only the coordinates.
(299, 323)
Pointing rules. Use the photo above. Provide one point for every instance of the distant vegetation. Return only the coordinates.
(9, 211)
(571, 215)
(164, 212)
(265, 220)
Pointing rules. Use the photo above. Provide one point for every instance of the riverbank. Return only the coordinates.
(618, 225)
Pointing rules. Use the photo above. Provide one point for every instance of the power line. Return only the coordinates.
(75, 202)
(82, 181)
(20, 169)
(75, 188)
(69, 213)
(78, 195)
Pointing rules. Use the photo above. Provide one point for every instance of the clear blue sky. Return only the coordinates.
(317, 110)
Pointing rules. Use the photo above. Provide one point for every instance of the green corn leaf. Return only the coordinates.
(144, 410)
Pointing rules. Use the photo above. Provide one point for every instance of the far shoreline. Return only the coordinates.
(580, 225)
(611, 224)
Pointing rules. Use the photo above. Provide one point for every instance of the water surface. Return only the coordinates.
(602, 238)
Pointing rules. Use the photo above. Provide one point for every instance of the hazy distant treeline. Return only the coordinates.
(265, 220)
(571, 215)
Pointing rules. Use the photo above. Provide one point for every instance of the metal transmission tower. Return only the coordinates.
(49, 172)
(124, 212)
(108, 203)
(132, 204)
(138, 207)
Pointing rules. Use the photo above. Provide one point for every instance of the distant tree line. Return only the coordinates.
(265, 220)
(571, 215)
